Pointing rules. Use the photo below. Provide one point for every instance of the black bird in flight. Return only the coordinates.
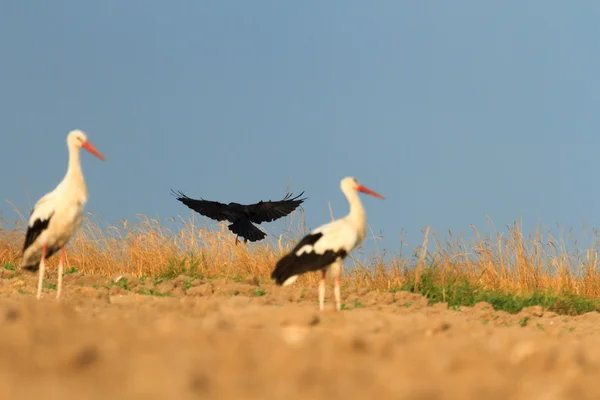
(242, 216)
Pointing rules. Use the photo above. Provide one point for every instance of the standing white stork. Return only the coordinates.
(328, 245)
(57, 214)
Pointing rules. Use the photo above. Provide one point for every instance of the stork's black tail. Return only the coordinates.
(285, 268)
(247, 230)
(33, 267)
(31, 261)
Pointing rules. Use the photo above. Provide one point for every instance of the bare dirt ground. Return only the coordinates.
(231, 340)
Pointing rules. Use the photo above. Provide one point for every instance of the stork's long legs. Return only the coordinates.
(336, 289)
(63, 251)
(42, 271)
(322, 289)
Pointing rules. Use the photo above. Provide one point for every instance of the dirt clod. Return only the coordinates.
(12, 314)
(86, 357)
(202, 290)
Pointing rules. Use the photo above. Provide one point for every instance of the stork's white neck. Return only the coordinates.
(357, 213)
(74, 173)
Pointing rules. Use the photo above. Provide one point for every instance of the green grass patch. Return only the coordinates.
(10, 267)
(356, 304)
(540, 326)
(122, 283)
(458, 291)
(151, 292)
(187, 284)
(187, 265)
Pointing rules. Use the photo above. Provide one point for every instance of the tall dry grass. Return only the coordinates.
(504, 261)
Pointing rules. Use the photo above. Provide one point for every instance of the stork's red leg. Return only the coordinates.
(42, 271)
(322, 289)
(336, 289)
(63, 252)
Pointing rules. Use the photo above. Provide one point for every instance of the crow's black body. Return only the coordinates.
(242, 216)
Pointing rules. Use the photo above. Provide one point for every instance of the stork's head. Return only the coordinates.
(78, 139)
(351, 184)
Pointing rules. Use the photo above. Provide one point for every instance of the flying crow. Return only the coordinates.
(242, 216)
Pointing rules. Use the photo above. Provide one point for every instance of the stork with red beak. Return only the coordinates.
(328, 245)
(57, 214)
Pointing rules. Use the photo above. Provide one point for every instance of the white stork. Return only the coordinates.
(328, 245)
(57, 214)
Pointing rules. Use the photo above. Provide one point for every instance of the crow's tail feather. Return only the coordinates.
(247, 230)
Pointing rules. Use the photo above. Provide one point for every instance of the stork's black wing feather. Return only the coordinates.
(35, 230)
(211, 209)
(267, 211)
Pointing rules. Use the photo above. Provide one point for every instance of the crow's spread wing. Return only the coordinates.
(211, 209)
(267, 211)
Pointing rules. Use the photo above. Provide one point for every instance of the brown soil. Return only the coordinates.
(229, 340)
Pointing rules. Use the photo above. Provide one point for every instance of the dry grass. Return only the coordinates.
(509, 263)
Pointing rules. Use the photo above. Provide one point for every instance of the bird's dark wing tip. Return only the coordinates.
(178, 194)
(289, 197)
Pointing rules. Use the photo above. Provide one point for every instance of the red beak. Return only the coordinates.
(363, 189)
(88, 146)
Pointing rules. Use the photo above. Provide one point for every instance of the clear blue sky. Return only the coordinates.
(455, 111)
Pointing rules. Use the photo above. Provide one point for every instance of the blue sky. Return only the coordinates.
(455, 111)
